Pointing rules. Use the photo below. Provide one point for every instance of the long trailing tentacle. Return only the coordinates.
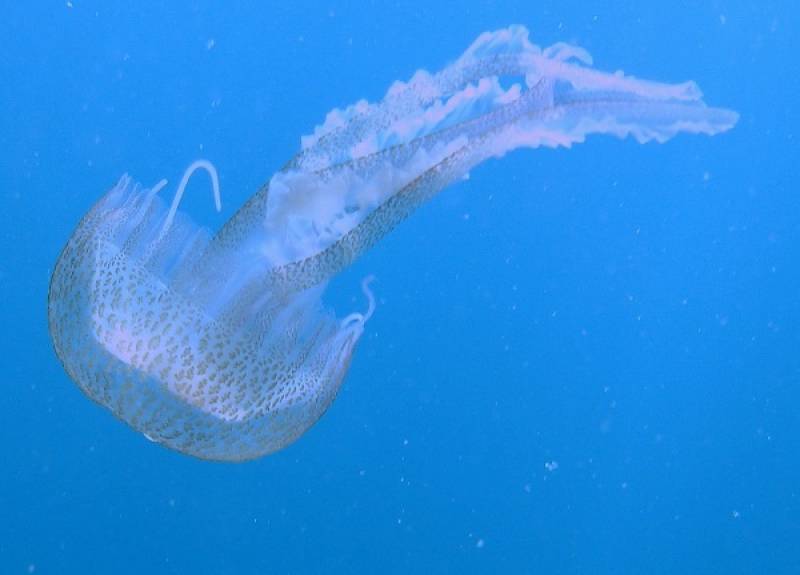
(367, 167)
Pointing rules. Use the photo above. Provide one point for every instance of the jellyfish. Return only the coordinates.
(217, 344)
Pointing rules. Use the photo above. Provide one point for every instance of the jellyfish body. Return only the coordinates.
(218, 345)
(128, 330)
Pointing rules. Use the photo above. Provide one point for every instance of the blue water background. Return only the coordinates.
(582, 361)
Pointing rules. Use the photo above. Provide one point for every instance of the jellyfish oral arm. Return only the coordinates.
(370, 165)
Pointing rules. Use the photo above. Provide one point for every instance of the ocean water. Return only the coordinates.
(582, 361)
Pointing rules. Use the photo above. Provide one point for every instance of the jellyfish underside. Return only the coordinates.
(218, 345)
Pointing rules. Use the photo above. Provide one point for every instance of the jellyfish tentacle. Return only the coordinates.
(142, 216)
(156, 188)
(145, 228)
(370, 296)
(193, 167)
(149, 197)
(358, 317)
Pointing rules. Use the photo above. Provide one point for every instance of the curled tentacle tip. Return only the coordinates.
(203, 164)
(358, 317)
(200, 164)
(354, 318)
(370, 296)
(366, 281)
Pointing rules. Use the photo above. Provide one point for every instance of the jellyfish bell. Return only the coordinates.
(132, 333)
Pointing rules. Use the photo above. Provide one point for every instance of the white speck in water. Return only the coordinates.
(480, 543)
(210, 43)
(551, 465)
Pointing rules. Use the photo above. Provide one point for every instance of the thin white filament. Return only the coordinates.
(357, 316)
(193, 167)
(157, 188)
(149, 197)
